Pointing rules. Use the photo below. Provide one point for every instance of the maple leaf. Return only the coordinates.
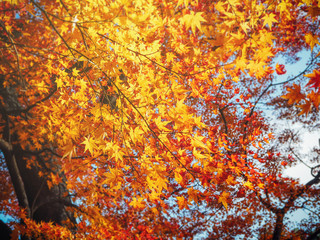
(311, 39)
(178, 177)
(283, 6)
(137, 202)
(223, 199)
(89, 145)
(157, 183)
(59, 82)
(161, 183)
(161, 124)
(267, 37)
(280, 69)
(269, 20)
(112, 177)
(313, 11)
(306, 107)
(75, 72)
(314, 79)
(197, 154)
(264, 54)
(69, 150)
(314, 98)
(197, 141)
(23, 136)
(193, 20)
(14, 2)
(182, 203)
(248, 184)
(245, 27)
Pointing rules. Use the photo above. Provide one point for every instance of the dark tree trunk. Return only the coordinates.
(5, 231)
(45, 204)
(41, 202)
(315, 235)
(279, 225)
(33, 193)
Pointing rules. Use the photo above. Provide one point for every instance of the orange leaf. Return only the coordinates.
(223, 199)
(306, 107)
(182, 202)
(314, 79)
(294, 94)
(314, 98)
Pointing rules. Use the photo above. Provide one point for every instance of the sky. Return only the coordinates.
(309, 139)
(301, 171)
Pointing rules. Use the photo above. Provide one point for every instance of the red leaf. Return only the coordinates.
(280, 69)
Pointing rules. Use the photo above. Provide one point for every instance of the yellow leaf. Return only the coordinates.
(182, 203)
(75, 72)
(248, 185)
(267, 37)
(154, 196)
(89, 145)
(137, 202)
(161, 124)
(245, 27)
(112, 177)
(13, 2)
(192, 20)
(269, 19)
(157, 183)
(162, 183)
(178, 177)
(311, 40)
(283, 6)
(59, 82)
(199, 123)
(223, 199)
(197, 154)
(197, 142)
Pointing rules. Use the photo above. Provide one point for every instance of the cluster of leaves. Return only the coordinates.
(150, 111)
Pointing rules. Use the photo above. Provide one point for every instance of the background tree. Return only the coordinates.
(141, 119)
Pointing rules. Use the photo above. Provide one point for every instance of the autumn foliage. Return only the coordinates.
(145, 119)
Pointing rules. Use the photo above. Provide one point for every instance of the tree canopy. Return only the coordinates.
(151, 119)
